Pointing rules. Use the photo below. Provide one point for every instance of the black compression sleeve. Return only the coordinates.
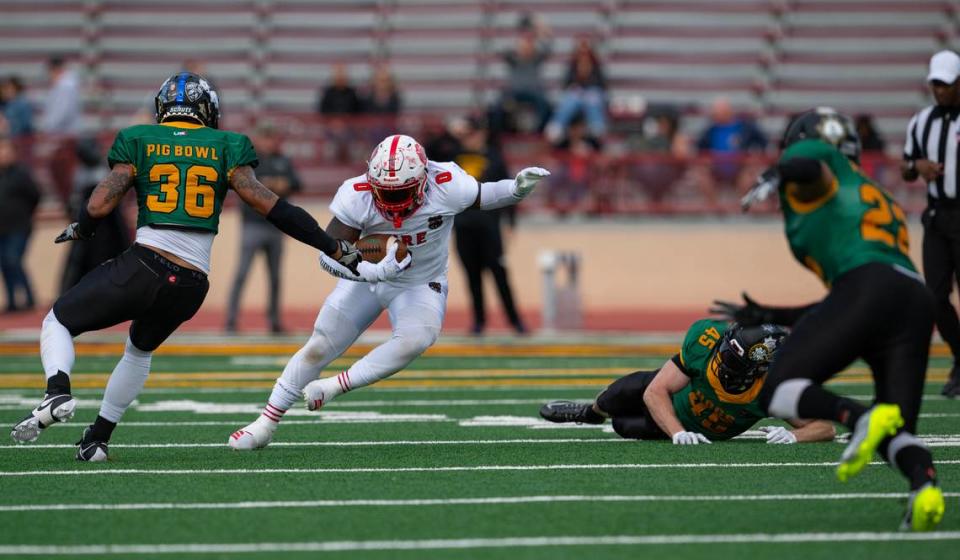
(298, 224)
(86, 224)
(788, 316)
(800, 170)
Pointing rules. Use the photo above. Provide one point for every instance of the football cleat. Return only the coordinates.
(90, 450)
(924, 509)
(256, 435)
(876, 424)
(52, 409)
(322, 391)
(569, 411)
(951, 389)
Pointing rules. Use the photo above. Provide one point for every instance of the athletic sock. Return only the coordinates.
(101, 429)
(58, 384)
(818, 403)
(335, 385)
(592, 415)
(272, 414)
(56, 347)
(911, 457)
(125, 382)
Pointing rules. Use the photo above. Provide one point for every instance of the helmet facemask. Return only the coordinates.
(397, 175)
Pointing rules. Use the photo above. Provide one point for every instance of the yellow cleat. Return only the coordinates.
(877, 424)
(924, 510)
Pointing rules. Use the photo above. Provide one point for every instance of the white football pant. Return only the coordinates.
(416, 316)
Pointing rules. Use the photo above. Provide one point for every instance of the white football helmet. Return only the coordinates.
(397, 173)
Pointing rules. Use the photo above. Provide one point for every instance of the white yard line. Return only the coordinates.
(455, 468)
(335, 443)
(441, 544)
(497, 500)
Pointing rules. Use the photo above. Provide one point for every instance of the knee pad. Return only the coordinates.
(317, 348)
(416, 341)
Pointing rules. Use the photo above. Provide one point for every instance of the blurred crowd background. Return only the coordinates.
(639, 107)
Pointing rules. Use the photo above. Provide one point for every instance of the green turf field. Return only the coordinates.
(446, 460)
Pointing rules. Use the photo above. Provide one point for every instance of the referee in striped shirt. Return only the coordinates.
(930, 152)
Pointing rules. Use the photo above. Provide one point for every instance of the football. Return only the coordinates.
(374, 247)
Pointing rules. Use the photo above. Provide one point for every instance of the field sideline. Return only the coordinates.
(445, 460)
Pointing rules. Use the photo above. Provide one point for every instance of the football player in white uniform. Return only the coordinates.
(405, 195)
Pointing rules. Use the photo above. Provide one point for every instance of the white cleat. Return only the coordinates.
(315, 395)
(52, 409)
(257, 435)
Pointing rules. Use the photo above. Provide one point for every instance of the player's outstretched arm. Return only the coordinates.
(498, 194)
(104, 198)
(807, 431)
(807, 180)
(750, 313)
(291, 220)
(659, 401)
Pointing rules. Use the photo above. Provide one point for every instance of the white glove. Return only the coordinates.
(689, 438)
(387, 269)
(778, 434)
(527, 179)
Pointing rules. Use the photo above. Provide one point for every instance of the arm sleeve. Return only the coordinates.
(121, 151)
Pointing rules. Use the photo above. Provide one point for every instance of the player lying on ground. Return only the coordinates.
(852, 234)
(401, 194)
(707, 392)
(181, 170)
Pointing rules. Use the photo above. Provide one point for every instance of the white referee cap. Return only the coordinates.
(944, 67)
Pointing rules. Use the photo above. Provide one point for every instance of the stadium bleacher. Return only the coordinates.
(770, 58)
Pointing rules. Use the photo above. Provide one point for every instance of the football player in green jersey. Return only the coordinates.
(842, 226)
(181, 169)
(706, 392)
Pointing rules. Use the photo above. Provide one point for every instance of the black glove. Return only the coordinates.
(749, 314)
(350, 256)
(72, 233)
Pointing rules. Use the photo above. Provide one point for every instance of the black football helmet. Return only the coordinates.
(188, 96)
(745, 353)
(825, 124)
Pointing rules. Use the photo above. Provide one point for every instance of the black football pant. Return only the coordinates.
(139, 285)
(622, 400)
(874, 312)
(941, 268)
(481, 247)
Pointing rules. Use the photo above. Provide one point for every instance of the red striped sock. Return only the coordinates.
(272, 413)
(344, 380)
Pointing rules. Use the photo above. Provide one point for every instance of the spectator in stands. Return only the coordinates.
(524, 83)
(20, 197)
(728, 141)
(278, 174)
(870, 139)
(480, 240)
(381, 96)
(16, 107)
(112, 235)
(873, 146)
(663, 151)
(337, 100)
(576, 157)
(585, 92)
(442, 139)
(339, 97)
(61, 119)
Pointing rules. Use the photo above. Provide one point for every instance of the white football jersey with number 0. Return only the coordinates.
(450, 190)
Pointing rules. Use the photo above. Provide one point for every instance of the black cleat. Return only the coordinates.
(952, 387)
(569, 411)
(90, 450)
